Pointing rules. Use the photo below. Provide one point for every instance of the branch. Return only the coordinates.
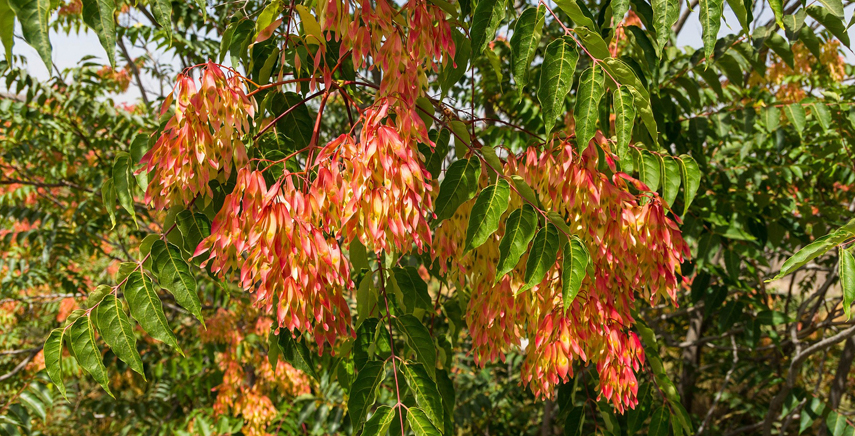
(134, 69)
(21, 365)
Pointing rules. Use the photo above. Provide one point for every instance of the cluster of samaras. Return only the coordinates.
(285, 240)
(633, 247)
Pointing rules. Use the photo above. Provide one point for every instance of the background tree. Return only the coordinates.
(429, 218)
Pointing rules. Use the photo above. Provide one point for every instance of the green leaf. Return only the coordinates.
(837, 425)
(454, 71)
(827, 19)
(487, 18)
(419, 421)
(524, 42)
(425, 111)
(415, 289)
(147, 309)
(624, 119)
(773, 118)
(691, 176)
(418, 338)
(591, 89)
(380, 422)
(462, 140)
(115, 328)
(491, 203)
(574, 422)
(636, 417)
(793, 25)
(812, 251)
(175, 276)
(572, 9)
(295, 352)
(742, 13)
(665, 15)
(593, 42)
(34, 16)
(7, 27)
(162, 10)
(82, 334)
(780, 46)
(544, 252)
(519, 229)
(847, 280)
(619, 9)
(835, 7)
(123, 182)
(625, 75)
(823, 115)
(436, 155)
(298, 124)
(778, 9)
(650, 170)
(573, 266)
(362, 392)
(710, 17)
(671, 176)
(53, 359)
(193, 227)
(446, 390)
(660, 423)
(524, 190)
(273, 350)
(796, 113)
(556, 78)
(459, 186)
(108, 197)
(426, 392)
(99, 16)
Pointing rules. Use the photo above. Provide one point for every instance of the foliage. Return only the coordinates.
(288, 243)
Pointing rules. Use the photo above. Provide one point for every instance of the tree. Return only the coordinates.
(288, 242)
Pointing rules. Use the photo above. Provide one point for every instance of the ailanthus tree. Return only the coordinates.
(429, 218)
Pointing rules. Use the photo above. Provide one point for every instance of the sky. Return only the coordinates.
(68, 50)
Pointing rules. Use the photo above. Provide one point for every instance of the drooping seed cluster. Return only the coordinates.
(202, 139)
(634, 248)
(271, 237)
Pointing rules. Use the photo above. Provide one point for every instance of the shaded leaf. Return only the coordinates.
(415, 289)
(362, 392)
(519, 230)
(419, 339)
(544, 251)
(458, 186)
